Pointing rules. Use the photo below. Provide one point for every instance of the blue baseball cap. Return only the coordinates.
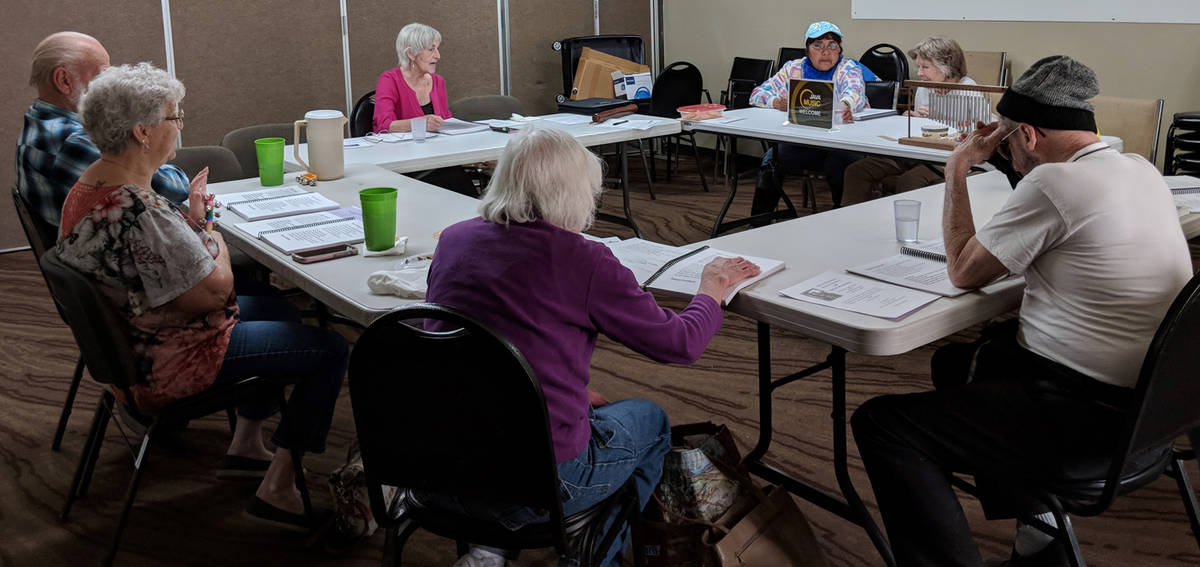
(818, 29)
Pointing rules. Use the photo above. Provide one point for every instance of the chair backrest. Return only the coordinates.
(745, 74)
(1164, 402)
(486, 107)
(887, 62)
(1136, 121)
(882, 94)
(787, 54)
(222, 163)
(362, 118)
(679, 84)
(241, 142)
(101, 333)
(624, 46)
(41, 235)
(988, 67)
(456, 411)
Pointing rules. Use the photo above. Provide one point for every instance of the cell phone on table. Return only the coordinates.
(327, 253)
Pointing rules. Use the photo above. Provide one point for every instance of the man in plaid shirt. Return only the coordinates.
(53, 148)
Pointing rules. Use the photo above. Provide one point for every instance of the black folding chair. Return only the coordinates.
(464, 416)
(1163, 409)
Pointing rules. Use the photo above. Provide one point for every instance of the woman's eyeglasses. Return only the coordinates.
(831, 46)
(178, 116)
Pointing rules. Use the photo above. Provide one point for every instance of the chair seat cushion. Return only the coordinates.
(1086, 477)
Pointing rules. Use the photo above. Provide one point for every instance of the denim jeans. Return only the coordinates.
(630, 438)
(269, 341)
(789, 158)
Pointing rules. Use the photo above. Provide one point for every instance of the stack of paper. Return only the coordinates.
(860, 295)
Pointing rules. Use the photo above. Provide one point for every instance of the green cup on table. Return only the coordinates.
(379, 217)
(270, 160)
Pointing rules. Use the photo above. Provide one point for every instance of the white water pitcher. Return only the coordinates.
(326, 131)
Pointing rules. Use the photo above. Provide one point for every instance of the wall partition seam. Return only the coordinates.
(656, 40)
(169, 47)
(346, 58)
(503, 37)
(596, 17)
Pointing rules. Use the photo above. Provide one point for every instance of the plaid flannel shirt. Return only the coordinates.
(53, 151)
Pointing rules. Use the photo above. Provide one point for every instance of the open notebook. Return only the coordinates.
(301, 233)
(919, 267)
(676, 270)
(275, 202)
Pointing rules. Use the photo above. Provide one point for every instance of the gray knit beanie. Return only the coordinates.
(1054, 94)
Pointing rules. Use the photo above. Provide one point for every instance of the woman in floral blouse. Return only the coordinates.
(172, 282)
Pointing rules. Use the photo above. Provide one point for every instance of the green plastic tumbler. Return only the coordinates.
(270, 160)
(379, 217)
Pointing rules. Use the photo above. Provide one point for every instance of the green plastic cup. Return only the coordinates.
(379, 217)
(270, 160)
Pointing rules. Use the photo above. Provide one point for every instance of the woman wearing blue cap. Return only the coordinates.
(824, 62)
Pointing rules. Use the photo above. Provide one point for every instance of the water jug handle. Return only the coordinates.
(296, 143)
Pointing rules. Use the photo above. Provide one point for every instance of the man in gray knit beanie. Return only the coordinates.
(1095, 234)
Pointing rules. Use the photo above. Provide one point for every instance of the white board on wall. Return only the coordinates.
(1142, 11)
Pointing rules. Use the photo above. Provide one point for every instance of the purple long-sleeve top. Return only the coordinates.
(551, 292)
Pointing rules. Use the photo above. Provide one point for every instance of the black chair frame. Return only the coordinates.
(666, 105)
(98, 331)
(42, 236)
(466, 396)
(362, 116)
(1161, 410)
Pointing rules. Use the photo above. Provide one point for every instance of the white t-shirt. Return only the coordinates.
(921, 98)
(1099, 243)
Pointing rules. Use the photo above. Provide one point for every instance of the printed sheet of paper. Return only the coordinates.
(911, 271)
(860, 295)
(283, 206)
(257, 227)
(260, 194)
(301, 239)
(644, 257)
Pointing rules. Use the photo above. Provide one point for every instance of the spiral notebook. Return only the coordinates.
(300, 233)
(276, 202)
(919, 267)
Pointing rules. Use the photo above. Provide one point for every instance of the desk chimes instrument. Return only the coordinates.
(957, 107)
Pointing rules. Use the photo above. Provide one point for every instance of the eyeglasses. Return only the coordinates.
(1003, 149)
(831, 46)
(178, 116)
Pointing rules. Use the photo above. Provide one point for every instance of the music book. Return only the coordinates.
(917, 267)
(454, 127)
(675, 270)
(300, 233)
(1182, 184)
(282, 205)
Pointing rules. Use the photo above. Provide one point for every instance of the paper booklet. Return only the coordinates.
(1182, 184)
(860, 295)
(300, 233)
(260, 194)
(454, 126)
(919, 267)
(257, 228)
(676, 270)
(279, 206)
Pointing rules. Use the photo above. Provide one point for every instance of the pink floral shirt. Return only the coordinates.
(144, 252)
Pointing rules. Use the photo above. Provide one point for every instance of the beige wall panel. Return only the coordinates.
(256, 62)
(627, 17)
(1131, 60)
(536, 68)
(470, 42)
(131, 30)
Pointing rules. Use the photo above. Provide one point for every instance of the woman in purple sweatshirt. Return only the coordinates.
(523, 268)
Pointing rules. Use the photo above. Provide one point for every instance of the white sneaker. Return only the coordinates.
(479, 557)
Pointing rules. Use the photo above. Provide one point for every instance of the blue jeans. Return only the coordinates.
(789, 158)
(630, 438)
(269, 341)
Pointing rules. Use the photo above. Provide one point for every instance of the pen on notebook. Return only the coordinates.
(618, 122)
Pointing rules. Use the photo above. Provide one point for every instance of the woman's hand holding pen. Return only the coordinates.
(723, 273)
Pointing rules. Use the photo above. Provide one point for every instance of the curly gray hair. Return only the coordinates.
(945, 54)
(122, 97)
(413, 39)
(544, 173)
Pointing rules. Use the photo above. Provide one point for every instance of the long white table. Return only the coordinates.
(421, 210)
(835, 240)
(462, 149)
(878, 136)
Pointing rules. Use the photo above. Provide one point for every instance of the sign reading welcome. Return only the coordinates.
(810, 103)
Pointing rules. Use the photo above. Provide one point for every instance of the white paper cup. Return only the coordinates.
(418, 129)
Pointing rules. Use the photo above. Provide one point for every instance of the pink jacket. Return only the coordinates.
(395, 100)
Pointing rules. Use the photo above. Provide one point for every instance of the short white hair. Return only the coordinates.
(415, 38)
(122, 97)
(544, 173)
